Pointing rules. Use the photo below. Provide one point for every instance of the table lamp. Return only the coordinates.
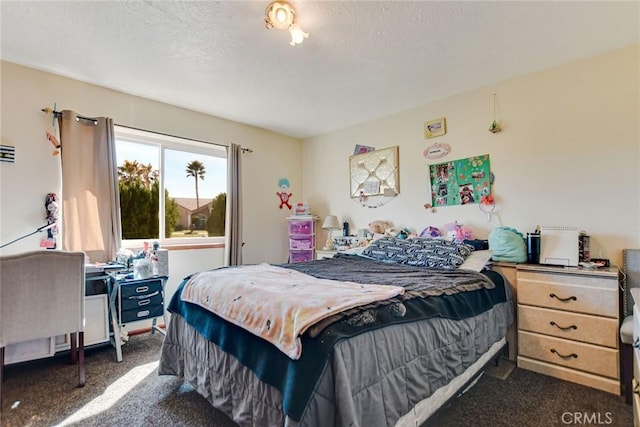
(330, 223)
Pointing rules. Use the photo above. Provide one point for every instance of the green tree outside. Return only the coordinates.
(139, 203)
(217, 215)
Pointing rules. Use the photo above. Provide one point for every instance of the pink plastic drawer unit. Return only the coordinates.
(300, 256)
(301, 243)
(301, 227)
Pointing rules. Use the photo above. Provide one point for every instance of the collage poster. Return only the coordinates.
(460, 182)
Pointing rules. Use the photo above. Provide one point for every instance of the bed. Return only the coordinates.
(392, 360)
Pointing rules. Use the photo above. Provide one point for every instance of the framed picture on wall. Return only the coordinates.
(361, 149)
(433, 128)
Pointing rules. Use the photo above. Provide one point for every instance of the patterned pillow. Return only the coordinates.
(421, 252)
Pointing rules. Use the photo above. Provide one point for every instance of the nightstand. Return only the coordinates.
(132, 300)
(320, 254)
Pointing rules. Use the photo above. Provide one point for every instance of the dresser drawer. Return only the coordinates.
(140, 288)
(572, 326)
(147, 312)
(590, 298)
(141, 301)
(571, 354)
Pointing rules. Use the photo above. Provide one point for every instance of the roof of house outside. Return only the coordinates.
(190, 203)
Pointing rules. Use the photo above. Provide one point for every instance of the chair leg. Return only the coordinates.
(74, 348)
(627, 372)
(81, 372)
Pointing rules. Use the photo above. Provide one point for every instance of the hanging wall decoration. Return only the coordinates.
(284, 194)
(436, 151)
(52, 134)
(53, 209)
(375, 176)
(494, 127)
(460, 182)
(433, 128)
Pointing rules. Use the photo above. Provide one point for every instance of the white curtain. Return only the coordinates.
(233, 217)
(90, 198)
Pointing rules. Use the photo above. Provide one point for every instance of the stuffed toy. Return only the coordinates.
(379, 228)
(457, 232)
(430, 232)
(401, 233)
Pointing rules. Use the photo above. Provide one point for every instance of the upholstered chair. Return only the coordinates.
(41, 296)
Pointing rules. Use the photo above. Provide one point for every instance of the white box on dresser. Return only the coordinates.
(568, 324)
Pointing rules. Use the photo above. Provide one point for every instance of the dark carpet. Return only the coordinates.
(130, 393)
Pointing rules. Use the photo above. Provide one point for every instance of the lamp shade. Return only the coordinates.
(331, 223)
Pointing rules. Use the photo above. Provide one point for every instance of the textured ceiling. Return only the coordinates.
(362, 59)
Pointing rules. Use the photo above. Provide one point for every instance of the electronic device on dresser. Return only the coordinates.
(559, 245)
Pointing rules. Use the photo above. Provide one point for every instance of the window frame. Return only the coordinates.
(163, 142)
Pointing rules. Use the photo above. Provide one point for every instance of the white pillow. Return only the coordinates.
(476, 260)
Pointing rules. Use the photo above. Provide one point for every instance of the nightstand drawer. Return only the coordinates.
(142, 313)
(140, 288)
(144, 301)
(573, 326)
(562, 296)
(571, 354)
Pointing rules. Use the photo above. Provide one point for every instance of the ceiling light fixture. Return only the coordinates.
(281, 15)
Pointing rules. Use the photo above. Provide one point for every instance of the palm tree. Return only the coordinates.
(132, 172)
(129, 172)
(195, 169)
(146, 174)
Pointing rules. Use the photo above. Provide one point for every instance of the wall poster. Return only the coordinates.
(460, 182)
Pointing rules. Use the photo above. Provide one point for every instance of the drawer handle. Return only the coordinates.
(142, 289)
(146, 313)
(571, 298)
(564, 328)
(567, 356)
(143, 302)
(134, 297)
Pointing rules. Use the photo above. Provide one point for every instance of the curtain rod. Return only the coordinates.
(57, 113)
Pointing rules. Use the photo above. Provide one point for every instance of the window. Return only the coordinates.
(191, 175)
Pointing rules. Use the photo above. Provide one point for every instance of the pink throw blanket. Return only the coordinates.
(276, 303)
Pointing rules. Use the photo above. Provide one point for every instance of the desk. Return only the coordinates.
(132, 300)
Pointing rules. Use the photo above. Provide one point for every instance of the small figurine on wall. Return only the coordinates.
(284, 195)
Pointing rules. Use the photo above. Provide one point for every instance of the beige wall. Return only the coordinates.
(569, 154)
(25, 183)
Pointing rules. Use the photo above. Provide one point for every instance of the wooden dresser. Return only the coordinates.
(635, 293)
(568, 324)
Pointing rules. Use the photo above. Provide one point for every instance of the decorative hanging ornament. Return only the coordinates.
(436, 151)
(495, 127)
(487, 205)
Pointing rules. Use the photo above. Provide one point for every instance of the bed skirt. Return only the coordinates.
(373, 379)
